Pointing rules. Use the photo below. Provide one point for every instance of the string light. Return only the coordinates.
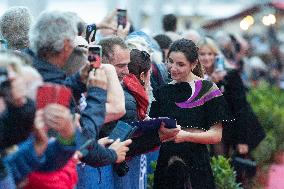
(269, 19)
(246, 22)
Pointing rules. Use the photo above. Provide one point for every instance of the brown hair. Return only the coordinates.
(108, 45)
(190, 50)
(139, 62)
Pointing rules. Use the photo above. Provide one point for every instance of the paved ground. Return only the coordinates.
(276, 176)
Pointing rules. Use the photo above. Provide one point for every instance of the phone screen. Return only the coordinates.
(219, 64)
(95, 56)
(91, 28)
(3, 44)
(121, 17)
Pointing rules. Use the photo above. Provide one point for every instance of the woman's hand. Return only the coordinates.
(166, 134)
(181, 136)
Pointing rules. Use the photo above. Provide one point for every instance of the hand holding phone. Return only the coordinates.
(97, 78)
(121, 17)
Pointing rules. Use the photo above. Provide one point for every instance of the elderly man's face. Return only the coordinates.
(120, 61)
(66, 51)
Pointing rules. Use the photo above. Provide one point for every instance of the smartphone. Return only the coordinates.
(91, 30)
(219, 64)
(3, 44)
(121, 17)
(84, 149)
(95, 56)
(53, 93)
(122, 130)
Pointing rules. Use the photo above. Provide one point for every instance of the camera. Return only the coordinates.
(121, 169)
(4, 82)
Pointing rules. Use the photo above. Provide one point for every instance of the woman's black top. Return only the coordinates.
(198, 104)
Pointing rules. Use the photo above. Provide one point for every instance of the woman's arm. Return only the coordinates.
(115, 106)
(212, 136)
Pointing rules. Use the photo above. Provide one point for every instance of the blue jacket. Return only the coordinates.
(92, 118)
(25, 160)
(20, 120)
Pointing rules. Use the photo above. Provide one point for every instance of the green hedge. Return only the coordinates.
(224, 175)
(268, 104)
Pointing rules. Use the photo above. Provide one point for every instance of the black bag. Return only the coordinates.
(244, 165)
(121, 169)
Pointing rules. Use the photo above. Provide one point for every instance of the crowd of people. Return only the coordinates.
(198, 80)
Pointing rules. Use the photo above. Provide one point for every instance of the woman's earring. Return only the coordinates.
(143, 82)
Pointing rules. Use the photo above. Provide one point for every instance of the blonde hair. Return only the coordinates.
(8, 58)
(206, 41)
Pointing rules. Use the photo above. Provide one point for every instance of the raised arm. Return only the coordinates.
(115, 106)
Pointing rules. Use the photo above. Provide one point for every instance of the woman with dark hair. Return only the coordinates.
(200, 110)
(139, 66)
(138, 79)
(136, 103)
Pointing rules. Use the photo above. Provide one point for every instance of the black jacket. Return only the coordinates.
(246, 129)
(16, 124)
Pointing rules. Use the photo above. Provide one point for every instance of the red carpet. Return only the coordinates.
(276, 176)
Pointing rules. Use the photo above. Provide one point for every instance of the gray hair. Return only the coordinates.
(14, 27)
(32, 79)
(50, 30)
(108, 45)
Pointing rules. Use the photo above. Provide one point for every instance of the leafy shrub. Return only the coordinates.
(224, 175)
(150, 177)
(268, 104)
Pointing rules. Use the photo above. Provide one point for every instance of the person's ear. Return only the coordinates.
(142, 78)
(193, 65)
